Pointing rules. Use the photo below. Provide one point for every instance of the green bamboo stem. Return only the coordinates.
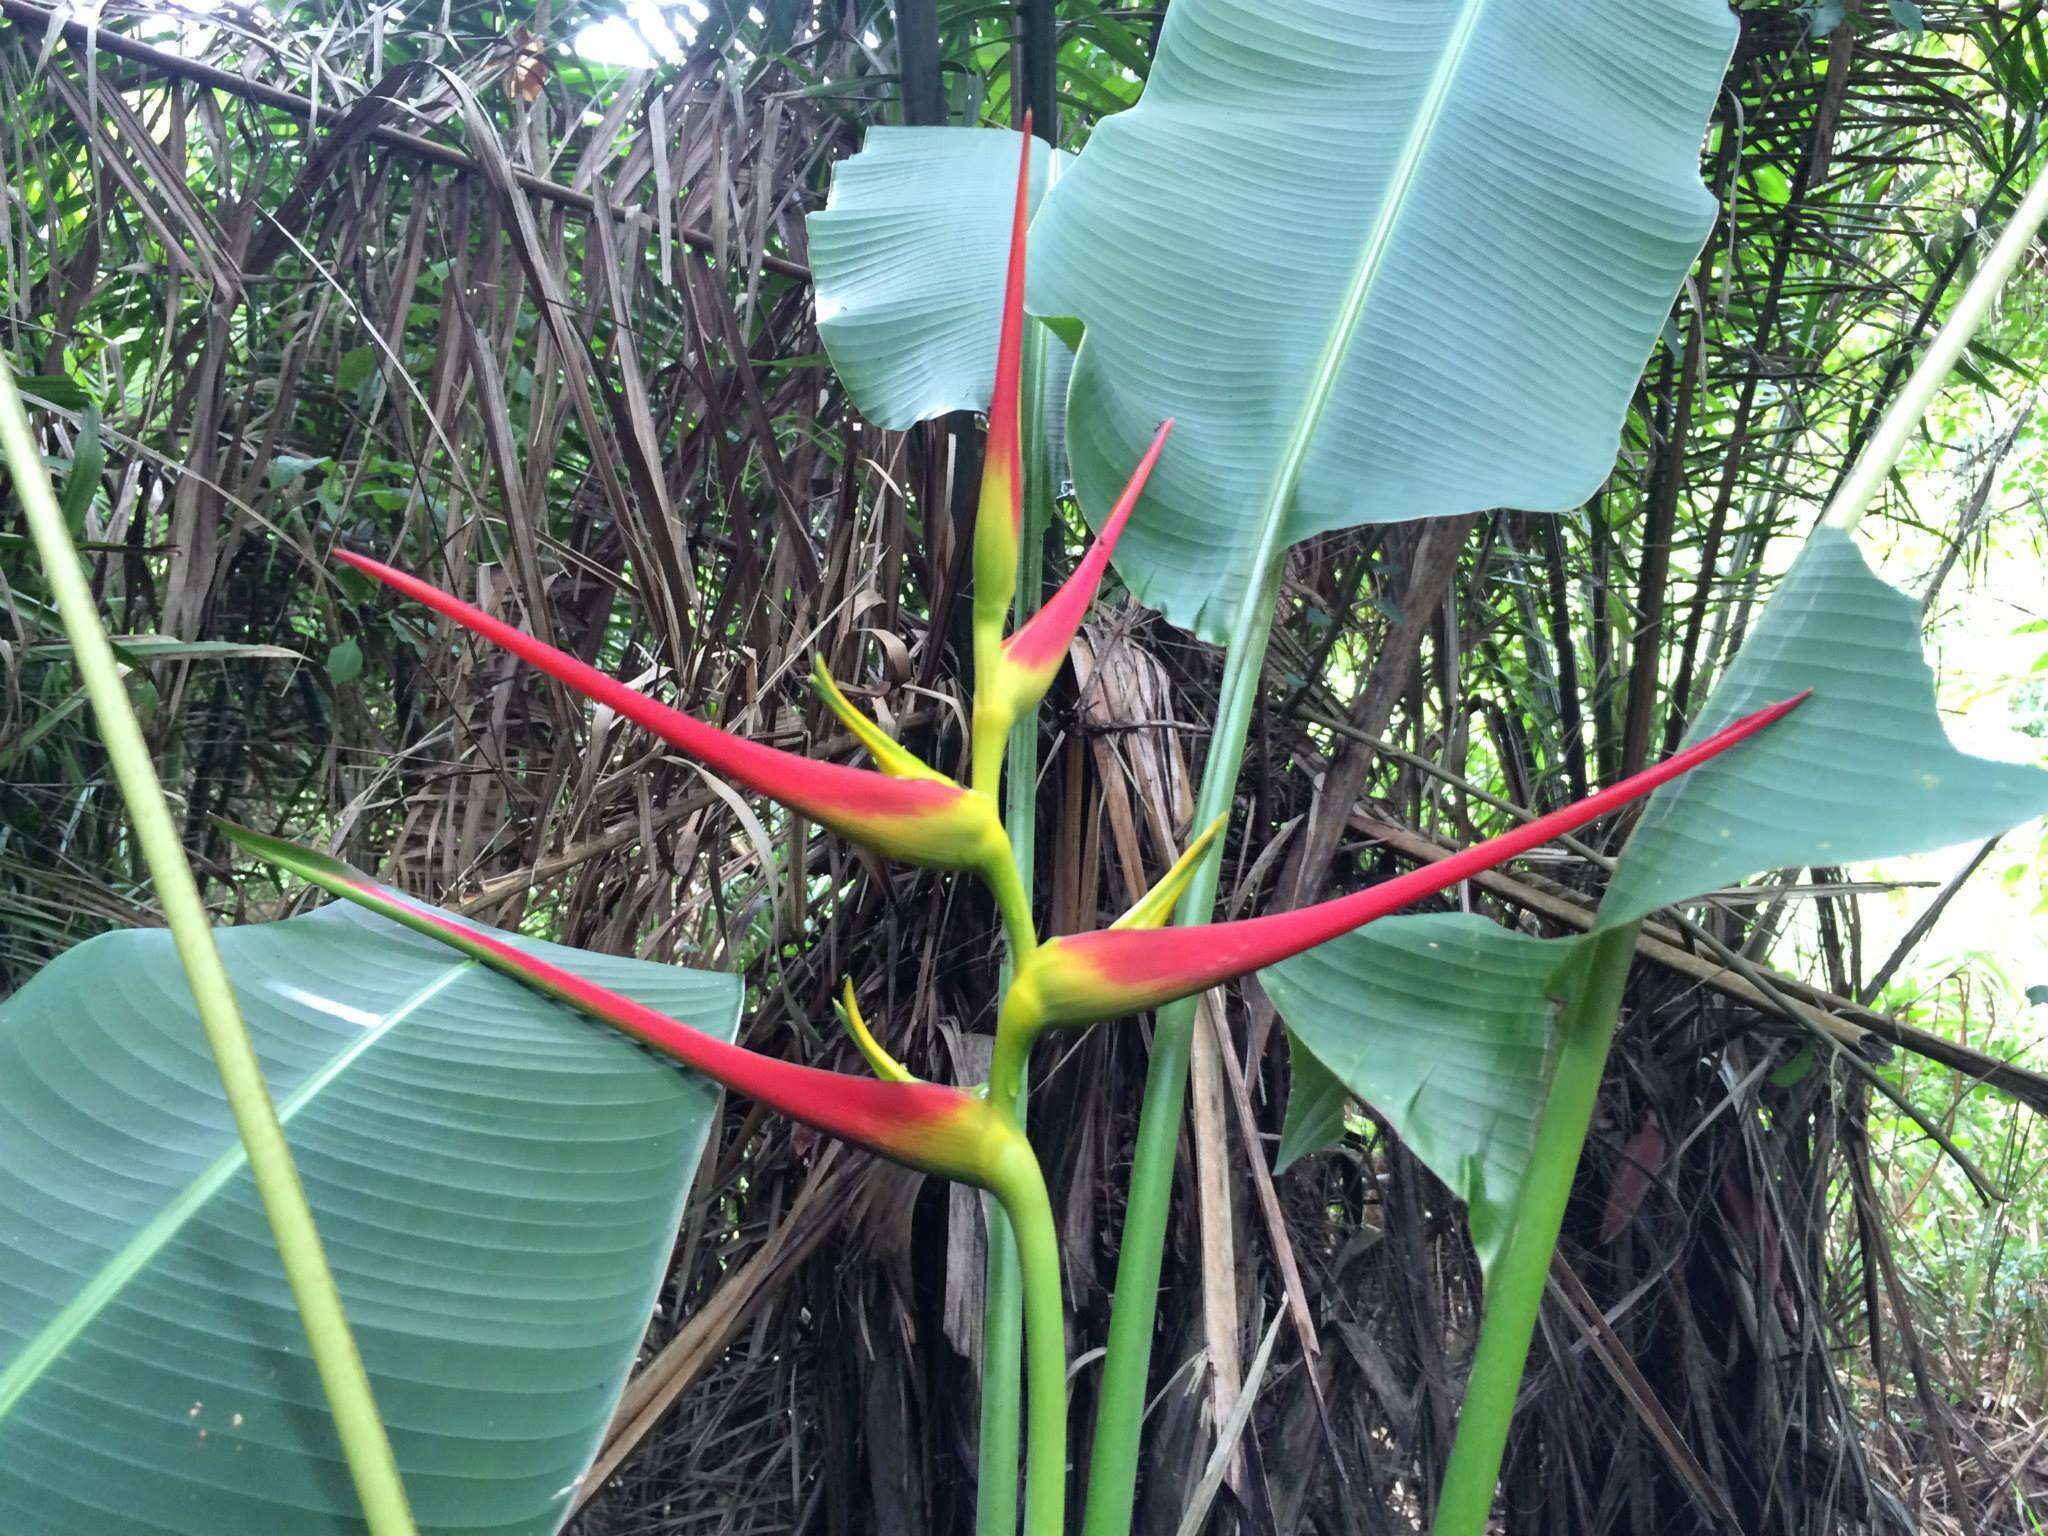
(335, 1358)
(1003, 1300)
(1514, 1291)
(1126, 1369)
(1903, 416)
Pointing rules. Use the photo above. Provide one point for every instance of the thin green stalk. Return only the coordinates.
(1002, 1295)
(1119, 1420)
(342, 1376)
(1902, 418)
(1514, 1290)
(1022, 1194)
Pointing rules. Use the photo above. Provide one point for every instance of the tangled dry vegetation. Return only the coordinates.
(547, 334)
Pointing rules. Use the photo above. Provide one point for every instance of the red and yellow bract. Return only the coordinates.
(929, 821)
(941, 1130)
(1084, 977)
(999, 515)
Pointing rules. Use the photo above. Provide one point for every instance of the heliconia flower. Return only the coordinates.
(1156, 905)
(946, 1131)
(919, 817)
(1084, 977)
(999, 516)
(1029, 660)
(884, 1066)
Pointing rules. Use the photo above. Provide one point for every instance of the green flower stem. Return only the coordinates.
(1514, 1290)
(1126, 1368)
(1021, 1190)
(342, 1377)
(1003, 1298)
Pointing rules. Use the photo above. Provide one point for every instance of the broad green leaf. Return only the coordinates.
(1387, 260)
(1444, 1024)
(1862, 770)
(497, 1180)
(1315, 1107)
(907, 262)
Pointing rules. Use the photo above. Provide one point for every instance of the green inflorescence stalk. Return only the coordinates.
(1022, 1195)
(340, 1366)
(1002, 1295)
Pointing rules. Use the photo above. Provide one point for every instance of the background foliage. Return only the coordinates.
(539, 327)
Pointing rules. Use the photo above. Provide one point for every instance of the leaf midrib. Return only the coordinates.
(1323, 382)
(57, 1335)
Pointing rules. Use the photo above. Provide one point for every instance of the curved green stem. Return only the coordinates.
(1021, 1191)
(1113, 1465)
(1514, 1290)
(1009, 884)
(340, 1367)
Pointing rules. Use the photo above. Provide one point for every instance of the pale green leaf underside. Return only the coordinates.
(1416, 250)
(497, 1181)
(1315, 1107)
(907, 265)
(1862, 770)
(1443, 1023)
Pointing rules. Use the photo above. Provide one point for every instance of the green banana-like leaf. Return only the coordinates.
(1444, 1024)
(1862, 770)
(907, 263)
(497, 1180)
(1384, 260)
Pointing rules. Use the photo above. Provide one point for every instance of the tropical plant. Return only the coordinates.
(1333, 345)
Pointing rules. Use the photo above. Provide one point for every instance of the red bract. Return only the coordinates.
(1037, 649)
(940, 1130)
(929, 821)
(999, 517)
(1084, 977)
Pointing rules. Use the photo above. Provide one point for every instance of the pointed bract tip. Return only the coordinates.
(1153, 908)
(885, 1066)
(1113, 525)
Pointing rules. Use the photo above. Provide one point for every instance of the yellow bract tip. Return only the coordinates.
(891, 756)
(1156, 905)
(885, 1066)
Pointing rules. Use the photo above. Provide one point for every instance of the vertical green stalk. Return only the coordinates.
(1002, 1297)
(1514, 1290)
(342, 1376)
(1119, 1419)
(1022, 1194)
